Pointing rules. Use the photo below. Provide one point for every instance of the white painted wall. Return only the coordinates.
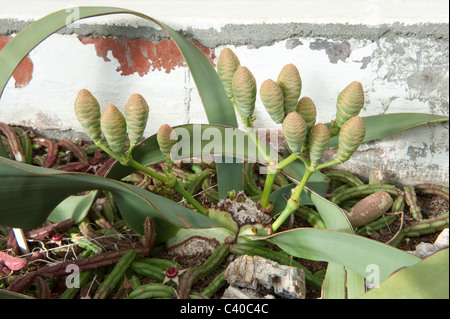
(63, 65)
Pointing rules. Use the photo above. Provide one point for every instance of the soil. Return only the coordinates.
(430, 205)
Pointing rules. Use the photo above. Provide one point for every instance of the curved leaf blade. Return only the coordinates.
(218, 107)
(383, 125)
(28, 194)
(427, 279)
(352, 251)
(73, 207)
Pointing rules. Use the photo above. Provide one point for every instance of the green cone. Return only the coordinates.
(294, 129)
(166, 138)
(136, 116)
(273, 100)
(227, 64)
(291, 84)
(87, 111)
(349, 103)
(244, 91)
(319, 137)
(307, 109)
(351, 136)
(114, 128)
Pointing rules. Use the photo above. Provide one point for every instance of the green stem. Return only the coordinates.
(180, 189)
(272, 172)
(107, 150)
(293, 202)
(261, 149)
(328, 164)
(264, 201)
(138, 166)
(175, 185)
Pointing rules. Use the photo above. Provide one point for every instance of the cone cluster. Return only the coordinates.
(282, 102)
(238, 81)
(112, 123)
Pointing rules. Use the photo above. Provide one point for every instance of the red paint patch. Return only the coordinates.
(24, 72)
(141, 56)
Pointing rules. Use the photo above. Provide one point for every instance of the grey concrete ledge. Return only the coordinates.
(256, 35)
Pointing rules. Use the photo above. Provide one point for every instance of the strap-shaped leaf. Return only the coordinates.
(46, 188)
(354, 252)
(217, 105)
(383, 125)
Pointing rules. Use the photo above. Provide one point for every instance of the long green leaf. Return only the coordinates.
(335, 219)
(73, 207)
(332, 215)
(5, 294)
(427, 279)
(334, 284)
(28, 194)
(3, 152)
(354, 252)
(218, 107)
(383, 125)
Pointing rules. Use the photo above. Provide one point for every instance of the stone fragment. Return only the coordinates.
(253, 272)
(423, 250)
(244, 293)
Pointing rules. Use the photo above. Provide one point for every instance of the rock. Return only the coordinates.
(243, 210)
(442, 241)
(244, 293)
(423, 250)
(253, 272)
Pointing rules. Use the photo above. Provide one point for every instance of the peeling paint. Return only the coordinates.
(24, 72)
(415, 152)
(141, 56)
(293, 43)
(335, 50)
(417, 68)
